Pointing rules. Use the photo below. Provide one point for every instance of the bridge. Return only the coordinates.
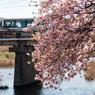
(21, 41)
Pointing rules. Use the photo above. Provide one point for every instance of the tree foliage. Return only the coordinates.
(67, 40)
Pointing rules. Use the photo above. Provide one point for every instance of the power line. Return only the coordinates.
(14, 6)
(13, 3)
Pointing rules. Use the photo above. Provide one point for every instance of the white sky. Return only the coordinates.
(16, 9)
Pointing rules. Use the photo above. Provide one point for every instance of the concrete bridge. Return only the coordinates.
(21, 41)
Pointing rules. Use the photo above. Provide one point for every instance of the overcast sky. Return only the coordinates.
(16, 9)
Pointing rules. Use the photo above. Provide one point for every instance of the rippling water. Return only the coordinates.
(76, 86)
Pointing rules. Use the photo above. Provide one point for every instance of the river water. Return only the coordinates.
(76, 86)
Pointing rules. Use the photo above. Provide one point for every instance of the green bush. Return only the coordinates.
(9, 55)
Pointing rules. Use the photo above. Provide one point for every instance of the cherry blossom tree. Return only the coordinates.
(65, 42)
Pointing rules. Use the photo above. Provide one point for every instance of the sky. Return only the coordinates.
(16, 9)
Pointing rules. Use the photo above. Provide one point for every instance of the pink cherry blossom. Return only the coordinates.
(67, 38)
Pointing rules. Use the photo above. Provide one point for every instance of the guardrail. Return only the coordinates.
(14, 34)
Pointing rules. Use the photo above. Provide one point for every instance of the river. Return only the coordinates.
(76, 86)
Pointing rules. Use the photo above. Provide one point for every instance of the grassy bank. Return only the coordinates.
(90, 71)
(7, 59)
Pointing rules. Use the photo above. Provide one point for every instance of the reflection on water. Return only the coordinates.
(76, 86)
(35, 90)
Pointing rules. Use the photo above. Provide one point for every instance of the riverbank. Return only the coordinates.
(7, 59)
(90, 71)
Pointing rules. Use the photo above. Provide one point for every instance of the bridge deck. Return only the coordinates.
(14, 39)
(17, 41)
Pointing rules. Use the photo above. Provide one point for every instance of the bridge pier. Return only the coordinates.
(24, 73)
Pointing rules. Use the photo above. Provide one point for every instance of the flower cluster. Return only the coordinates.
(67, 40)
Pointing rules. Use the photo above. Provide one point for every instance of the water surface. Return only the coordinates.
(76, 86)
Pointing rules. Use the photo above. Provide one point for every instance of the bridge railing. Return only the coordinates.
(12, 34)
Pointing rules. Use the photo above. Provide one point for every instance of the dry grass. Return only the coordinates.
(5, 55)
(7, 59)
(90, 71)
(7, 63)
(4, 48)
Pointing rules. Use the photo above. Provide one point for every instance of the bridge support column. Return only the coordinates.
(24, 73)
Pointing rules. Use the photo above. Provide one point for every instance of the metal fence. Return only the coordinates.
(14, 34)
